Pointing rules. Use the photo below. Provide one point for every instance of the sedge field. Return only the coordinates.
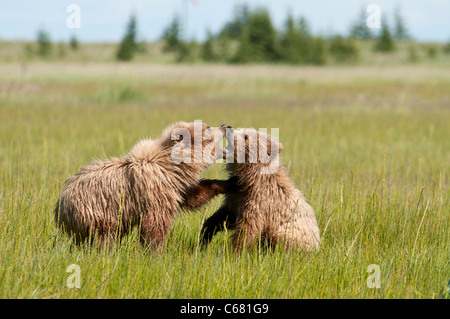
(368, 146)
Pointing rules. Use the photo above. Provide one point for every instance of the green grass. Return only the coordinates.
(369, 147)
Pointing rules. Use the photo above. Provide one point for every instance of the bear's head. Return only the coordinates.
(249, 149)
(194, 143)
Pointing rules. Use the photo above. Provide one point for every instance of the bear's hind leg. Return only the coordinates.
(244, 236)
(153, 233)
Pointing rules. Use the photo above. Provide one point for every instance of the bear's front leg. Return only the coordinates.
(207, 189)
(223, 217)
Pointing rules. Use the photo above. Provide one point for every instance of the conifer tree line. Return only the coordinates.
(251, 37)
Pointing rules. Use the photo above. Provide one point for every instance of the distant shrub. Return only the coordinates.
(73, 43)
(128, 94)
(343, 50)
(142, 47)
(431, 51)
(61, 50)
(446, 48)
(187, 52)
(225, 51)
(29, 50)
(413, 56)
(118, 95)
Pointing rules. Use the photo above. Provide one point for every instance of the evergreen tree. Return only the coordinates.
(128, 46)
(44, 44)
(384, 42)
(172, 36)
(244, 52)
(290, 42)
(305, 41)
(241, 18)
(400, 30)
(258, 40)
(359, 29)
(208, 53)
(297, 43)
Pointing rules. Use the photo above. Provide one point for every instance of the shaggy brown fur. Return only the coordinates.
(265, 206)
(145, 188)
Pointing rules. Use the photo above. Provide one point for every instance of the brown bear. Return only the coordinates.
(266, 205)
(146, 188)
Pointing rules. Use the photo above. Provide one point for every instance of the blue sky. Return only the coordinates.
(105, 20)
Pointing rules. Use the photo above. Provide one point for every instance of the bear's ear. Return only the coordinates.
(269, 148)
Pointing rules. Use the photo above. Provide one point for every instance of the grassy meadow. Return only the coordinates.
(369, 147)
